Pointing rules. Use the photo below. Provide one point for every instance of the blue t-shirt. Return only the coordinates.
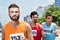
(49, 31)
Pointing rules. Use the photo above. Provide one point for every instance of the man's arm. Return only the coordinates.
(29, 32)
(56, 32)
(42, 31)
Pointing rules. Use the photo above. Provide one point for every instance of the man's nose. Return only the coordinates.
(14, 13)
(35, 18)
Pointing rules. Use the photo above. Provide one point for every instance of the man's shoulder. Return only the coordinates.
(7, 23)
(53, 23)
(25, 23)
(4, 27)
(39, 24)
(21, 21)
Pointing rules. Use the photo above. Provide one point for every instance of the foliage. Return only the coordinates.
(55, 12)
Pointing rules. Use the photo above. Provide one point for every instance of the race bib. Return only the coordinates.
(16, 36)
(47, 31)
(34, 32)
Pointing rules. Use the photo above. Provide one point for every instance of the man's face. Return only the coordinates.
(34, 18)
(14, 13)
(49, 19)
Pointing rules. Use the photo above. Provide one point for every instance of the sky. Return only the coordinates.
(26, 7)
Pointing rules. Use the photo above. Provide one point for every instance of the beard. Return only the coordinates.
(35, 21)
(14, 19)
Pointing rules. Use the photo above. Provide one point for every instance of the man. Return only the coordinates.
(37, 29)
(49, 28)
(15, 29)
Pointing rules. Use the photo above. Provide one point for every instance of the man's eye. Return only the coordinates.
(35, 17)
(11, 11)
(16, 11)
(49, 18)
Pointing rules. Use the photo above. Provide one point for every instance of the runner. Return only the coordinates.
(15, 29)
(49, 28)
(37, 29)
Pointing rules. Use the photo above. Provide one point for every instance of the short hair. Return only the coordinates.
(48, 14)
(33, 13)
(13, 5)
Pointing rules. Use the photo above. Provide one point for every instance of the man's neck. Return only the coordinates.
(48, 24)
(14, 23)
(33, 24)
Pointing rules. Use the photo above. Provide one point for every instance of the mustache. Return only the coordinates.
(14, 16)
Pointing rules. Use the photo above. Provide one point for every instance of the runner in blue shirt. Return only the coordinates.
(49, 28)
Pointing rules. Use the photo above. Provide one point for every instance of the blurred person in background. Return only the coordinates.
(37, 29)
(49, 28)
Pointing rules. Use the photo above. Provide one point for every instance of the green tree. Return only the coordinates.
(55, 12)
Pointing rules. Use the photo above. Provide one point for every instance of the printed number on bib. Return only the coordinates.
(34, 32)
(47, 31)
(16, 36)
